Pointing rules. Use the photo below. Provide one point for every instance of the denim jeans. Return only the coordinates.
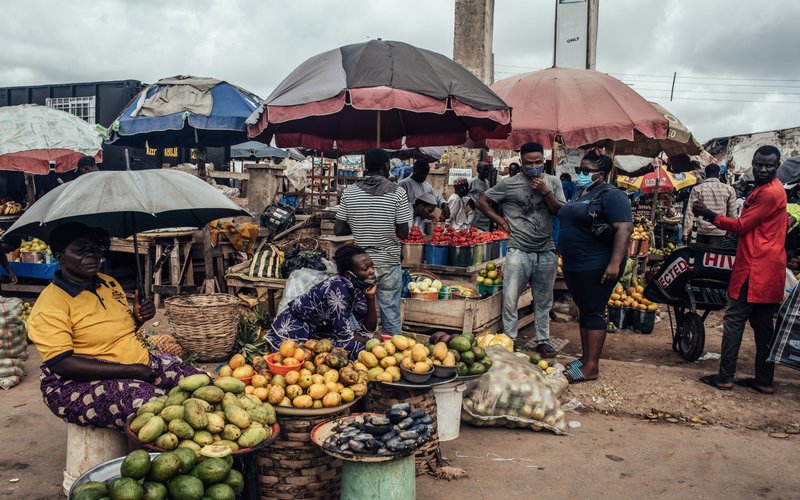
(390, 287)
(539, 269)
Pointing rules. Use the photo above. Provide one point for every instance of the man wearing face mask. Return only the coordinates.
(528, 201)
(758, 278)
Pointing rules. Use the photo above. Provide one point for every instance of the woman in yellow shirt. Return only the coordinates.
(95, 371)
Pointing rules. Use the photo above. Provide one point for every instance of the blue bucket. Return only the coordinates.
(436, 255)
(503, 247)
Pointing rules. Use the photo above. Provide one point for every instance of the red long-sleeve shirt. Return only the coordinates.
(761, 255)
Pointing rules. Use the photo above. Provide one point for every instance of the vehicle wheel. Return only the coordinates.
(691, 336)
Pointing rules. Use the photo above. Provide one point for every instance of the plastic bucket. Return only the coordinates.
(436, 255)
(459, 256)
(90, 446)
(644, 321)
(392, 480)
(478, 253)
(492, 250)
(448, 409)
(413, 253)
(617, 316)
(503, 247)
(489, 289)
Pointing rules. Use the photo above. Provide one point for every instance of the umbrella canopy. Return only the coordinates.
(579, 106)
(679, 140)
(379, 92)
(789, 171)
(31, 137)
(257, 149)
(185, 111)
(665, 180)
(125, 202)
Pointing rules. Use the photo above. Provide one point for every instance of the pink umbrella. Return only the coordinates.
(575, 106)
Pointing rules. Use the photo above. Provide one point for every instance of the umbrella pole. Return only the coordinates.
(655, 197)
(378, 140)
(139, 283)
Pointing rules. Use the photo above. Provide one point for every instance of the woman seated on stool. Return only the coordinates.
(95, 372)
(328, 308)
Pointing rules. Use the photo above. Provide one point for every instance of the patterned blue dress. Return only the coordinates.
(324, 311)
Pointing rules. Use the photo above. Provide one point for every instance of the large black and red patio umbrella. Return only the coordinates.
(384, 93)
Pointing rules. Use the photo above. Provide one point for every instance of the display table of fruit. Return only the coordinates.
(33, 259)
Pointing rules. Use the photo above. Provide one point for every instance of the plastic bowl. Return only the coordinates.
(279, 369)
(430, 295)
(443, 371)
(416, 377)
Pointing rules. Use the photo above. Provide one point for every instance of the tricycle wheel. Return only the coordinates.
(691, 336)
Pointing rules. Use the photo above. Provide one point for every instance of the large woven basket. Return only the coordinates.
(205, 324)
(381, 397)
(294, 468)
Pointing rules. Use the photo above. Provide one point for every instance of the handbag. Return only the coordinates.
(267, 263)
(785, 348)
(601, 229)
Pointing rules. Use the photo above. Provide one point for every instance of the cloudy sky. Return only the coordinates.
(737, 61)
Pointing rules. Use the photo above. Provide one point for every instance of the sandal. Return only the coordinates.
(750, 383)
(546, 350)
(715, 382)
(575, 376)
(577, 363)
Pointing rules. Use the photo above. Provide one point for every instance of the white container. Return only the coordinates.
(90, 446)
(448, 409)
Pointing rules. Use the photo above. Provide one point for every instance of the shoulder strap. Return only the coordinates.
(597, 192)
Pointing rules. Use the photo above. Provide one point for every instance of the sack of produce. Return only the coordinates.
(513, 393)
(488, 339)
(13, 342)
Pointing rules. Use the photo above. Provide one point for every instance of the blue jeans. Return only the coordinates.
(539, 269)
(390, 287)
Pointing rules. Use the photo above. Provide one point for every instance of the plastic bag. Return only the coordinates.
(485, 340)
(297, 174)
(299, 282)
(513, 393)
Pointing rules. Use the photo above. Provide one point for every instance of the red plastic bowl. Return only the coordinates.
(279, 369)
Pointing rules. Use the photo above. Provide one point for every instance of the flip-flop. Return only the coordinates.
(750, 383)
(576, 363)
(575, 376)
(713, 381)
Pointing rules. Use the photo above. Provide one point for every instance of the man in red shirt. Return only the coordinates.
(758, 279)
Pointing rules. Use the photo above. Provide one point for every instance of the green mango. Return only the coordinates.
(194, 382)
(136, 464)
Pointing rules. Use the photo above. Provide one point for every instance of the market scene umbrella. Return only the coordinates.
(379, 93)
(575, 107)
(34, 137)
(660, 180)
(256, 149)
(185, 111)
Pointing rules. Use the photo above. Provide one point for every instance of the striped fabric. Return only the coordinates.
(372, 219)
(785, 348)
(267, 263)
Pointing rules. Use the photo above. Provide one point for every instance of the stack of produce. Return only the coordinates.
(195, 414)
(383, 359)
(26, 311)
(671, 248)
(470, 358)
(415, 236)
(162, 343)
(181, 475)
(441, 235)
(324, 379)
(631, 298)
(37, 251)
(11, 208)
(490, 275)
(487, 339)
(399, 430)
(426, 285)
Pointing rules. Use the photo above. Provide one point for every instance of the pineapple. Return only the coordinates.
(164, 343)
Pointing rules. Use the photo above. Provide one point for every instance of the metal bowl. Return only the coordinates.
(443, 371)
(416, 377)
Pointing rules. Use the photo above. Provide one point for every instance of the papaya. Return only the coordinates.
(460, 343)
(202, 438)
(230, 399)
(272, 417)
(188, 458)
(92, 490)
(172, 412)
(215, 423)
(194, 382)
(212, 471)
(251, 437)
(136, 464)
(168, 441)
(230, 384)
(152, 429)
(235, 480)
(154, 491)
(209, 393)
(181, 428)
(195, 415)
(203, 404)
(164, 467)
(188, 443)
(479, 353)
(185, 487)
(468, 357)
(125, 488)
(258, 414)
(220, 491)
(231, 432)
(246, 403)
(153, 406)
(177, 397)
(228, 443)
(237, 416)
(439, 350)
(139, 421)
(477, 369)
(462, 369)
(214, 451)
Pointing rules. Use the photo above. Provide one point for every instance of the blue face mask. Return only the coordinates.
(532, 171)
(585, 180)
(358, 282)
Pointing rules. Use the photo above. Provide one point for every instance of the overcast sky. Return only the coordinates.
(722, 50)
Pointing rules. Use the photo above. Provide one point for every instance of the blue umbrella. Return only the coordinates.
(185, 111)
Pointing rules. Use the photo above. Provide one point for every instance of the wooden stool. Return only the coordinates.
(90, 446)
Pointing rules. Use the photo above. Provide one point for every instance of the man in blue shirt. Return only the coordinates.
(570, 189)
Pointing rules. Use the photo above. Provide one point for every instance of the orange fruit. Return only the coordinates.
(236, 361)
(249, 389)
(259, 381)
(226, 371)
(261, 393)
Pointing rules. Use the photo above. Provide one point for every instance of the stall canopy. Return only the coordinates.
(256, 149)
(32, 138)
(660, 180)
(384, 93)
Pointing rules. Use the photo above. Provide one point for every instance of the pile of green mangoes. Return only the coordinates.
(178, 475)
(195, 414)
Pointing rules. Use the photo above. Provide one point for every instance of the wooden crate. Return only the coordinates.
(462, 315)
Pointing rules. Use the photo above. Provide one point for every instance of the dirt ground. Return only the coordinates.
(647, 427)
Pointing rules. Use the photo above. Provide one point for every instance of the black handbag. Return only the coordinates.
(601, 229)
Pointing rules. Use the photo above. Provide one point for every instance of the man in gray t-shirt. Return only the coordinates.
(528, 201)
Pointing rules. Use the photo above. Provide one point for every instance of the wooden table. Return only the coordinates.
(453, 272)
(235, 281)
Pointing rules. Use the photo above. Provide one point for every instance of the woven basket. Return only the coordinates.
(381, 397)
(294, 468)
(205, 324)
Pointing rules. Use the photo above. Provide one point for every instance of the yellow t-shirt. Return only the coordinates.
(69, 319)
